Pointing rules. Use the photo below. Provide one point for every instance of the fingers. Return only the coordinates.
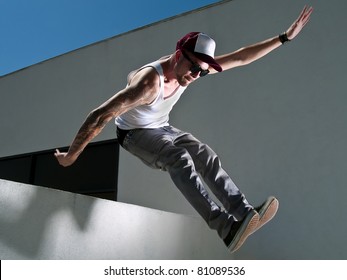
(63, 159)
(302, 12)
(305, 15)
(299, 24)
(57, 152)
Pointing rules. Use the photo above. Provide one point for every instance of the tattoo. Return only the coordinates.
(142, 91)
(90, 129)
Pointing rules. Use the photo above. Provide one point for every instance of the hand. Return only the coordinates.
(63, 158)
(299, 24)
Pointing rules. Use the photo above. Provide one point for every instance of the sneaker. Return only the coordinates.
(266, 211)
(241, 230)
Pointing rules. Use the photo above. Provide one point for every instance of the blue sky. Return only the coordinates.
(32, 31)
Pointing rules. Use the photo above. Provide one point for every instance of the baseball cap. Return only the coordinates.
(202, 46)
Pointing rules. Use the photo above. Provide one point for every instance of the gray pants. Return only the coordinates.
(188, 161)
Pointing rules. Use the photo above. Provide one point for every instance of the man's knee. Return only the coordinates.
(176, 158)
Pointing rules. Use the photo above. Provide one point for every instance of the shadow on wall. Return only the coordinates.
(41, 223)
(26, 224)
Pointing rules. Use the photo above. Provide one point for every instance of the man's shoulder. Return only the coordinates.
(152, 70)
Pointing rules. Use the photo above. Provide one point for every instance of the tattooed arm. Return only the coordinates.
(141, 90)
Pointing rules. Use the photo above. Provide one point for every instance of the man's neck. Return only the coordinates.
(168, 64)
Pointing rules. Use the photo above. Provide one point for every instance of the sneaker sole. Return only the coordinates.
(246, 229)
(267, 212)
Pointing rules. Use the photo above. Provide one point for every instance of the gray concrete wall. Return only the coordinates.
(41, 223)
(278, 124)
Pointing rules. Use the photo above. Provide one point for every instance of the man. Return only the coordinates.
(141, 111)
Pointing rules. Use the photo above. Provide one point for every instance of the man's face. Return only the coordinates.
(188, 68)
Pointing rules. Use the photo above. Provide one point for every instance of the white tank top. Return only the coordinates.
(155, 114)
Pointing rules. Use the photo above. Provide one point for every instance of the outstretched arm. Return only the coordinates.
(141, 90)
(254, 52)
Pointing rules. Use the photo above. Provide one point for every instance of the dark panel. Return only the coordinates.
(94, 173)
(16, 169)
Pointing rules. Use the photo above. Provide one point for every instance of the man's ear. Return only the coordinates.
(178, 55)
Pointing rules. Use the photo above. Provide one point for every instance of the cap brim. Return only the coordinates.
(209, 60)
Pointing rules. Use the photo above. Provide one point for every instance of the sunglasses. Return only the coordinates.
(195, 68)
